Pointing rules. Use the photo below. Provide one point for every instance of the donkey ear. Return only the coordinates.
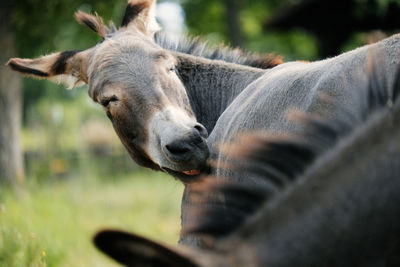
(94, 22)
(132, 250)
(67, 67)
(140, 14)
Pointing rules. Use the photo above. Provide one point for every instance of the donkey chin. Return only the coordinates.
(189, 169)
(179, 146)
(185, 158)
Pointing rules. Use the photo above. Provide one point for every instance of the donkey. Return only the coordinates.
(147, 102)
(344, 211)
(163, 103)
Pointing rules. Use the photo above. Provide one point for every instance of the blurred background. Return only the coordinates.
(64, 173)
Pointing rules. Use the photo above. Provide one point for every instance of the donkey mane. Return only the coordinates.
(197, 47)
(220, 206)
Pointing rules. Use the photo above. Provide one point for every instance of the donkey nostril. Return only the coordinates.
(202, 130)
(177, 148)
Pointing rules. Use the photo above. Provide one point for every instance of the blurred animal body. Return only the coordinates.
(343, 211)
(163, 98)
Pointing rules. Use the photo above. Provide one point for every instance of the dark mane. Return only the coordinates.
(219, 207)
(197, 47)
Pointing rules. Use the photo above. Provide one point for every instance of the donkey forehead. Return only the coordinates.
(123, 49)
(126, 61)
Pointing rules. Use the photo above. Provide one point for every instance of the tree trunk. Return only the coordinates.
(11, 163)
(235, 33)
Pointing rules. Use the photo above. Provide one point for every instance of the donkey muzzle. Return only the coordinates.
(189, 152)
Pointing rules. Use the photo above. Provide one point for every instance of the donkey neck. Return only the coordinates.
(212, 85)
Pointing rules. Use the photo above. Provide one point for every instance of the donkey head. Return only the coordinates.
(135, 81)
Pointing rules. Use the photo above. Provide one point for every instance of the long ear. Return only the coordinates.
(132, 250)
(69, 67)
(140, 14)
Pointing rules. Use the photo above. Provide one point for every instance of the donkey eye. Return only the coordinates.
(107, 100)
(172, 69)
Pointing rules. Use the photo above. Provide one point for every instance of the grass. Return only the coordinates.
(53, 224)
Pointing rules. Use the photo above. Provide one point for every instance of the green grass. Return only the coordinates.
(53, 224)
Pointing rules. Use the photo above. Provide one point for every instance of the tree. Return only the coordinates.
(235, 32)
(11, 164)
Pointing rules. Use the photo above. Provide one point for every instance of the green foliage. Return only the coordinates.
(43, 26)
(53, 225)
(209, 18)
(206, 16)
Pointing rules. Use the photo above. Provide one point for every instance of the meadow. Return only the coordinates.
(79, 179)
(53, 224)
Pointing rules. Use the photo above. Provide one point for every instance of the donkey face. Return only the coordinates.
(136, 83)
